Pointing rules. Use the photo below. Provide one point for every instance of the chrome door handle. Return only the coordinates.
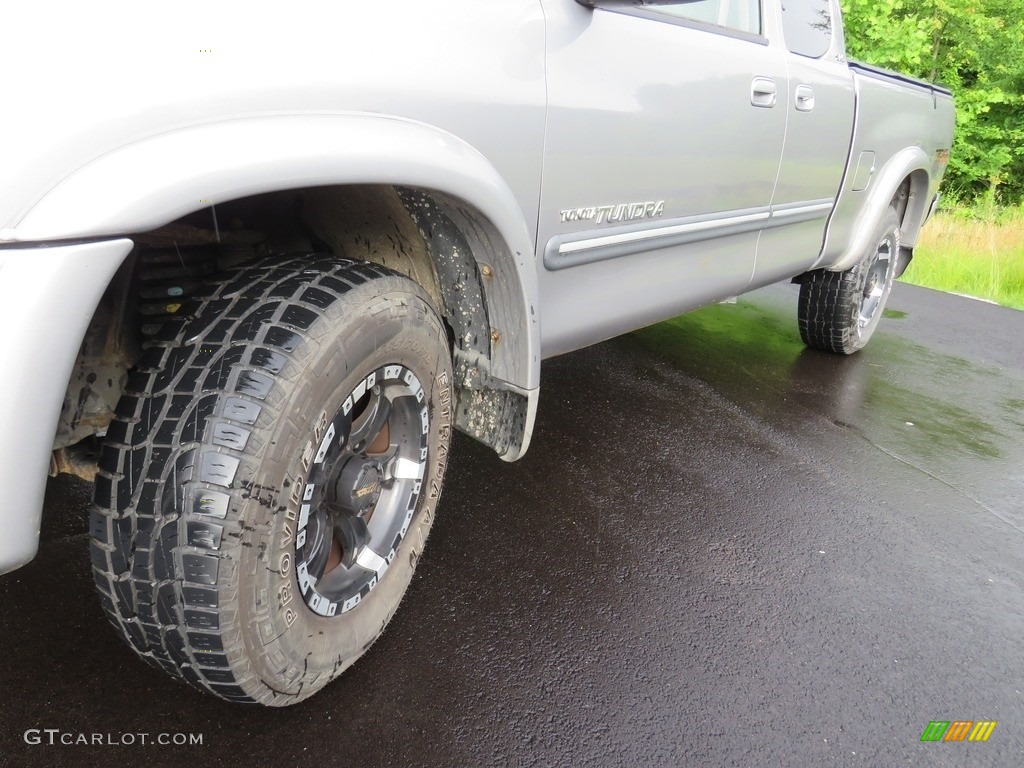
(763, 92)
(804, 98)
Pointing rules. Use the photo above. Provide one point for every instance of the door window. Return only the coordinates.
(807, 25)
(742, 15)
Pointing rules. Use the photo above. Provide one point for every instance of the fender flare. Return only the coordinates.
(911, 162)
(157, 179)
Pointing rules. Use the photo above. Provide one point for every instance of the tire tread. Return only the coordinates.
(205, 378)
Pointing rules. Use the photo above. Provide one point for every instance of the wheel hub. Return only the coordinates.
(876, 284)
(359, 485)
(362, 488)
(872, 284)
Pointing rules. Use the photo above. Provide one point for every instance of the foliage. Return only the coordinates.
(974, 251)
(975, 47)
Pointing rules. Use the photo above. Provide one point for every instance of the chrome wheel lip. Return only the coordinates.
(387, 520)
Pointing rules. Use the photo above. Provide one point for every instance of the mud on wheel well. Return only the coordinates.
(904, 203)
(406, 230)
(445, 248)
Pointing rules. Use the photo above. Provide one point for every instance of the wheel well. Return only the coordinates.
(442, 247)
(901, 199)
(910, 202)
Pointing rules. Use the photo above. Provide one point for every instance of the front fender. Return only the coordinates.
(51, 293)
(158, 179)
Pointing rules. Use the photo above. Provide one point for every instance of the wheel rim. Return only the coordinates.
(364, 481)
(877, 284)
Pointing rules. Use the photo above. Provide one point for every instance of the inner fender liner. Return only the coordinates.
(488, 409)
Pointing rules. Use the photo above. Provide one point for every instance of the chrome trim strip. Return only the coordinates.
(663, 231)
(571, 250)
(802, 211)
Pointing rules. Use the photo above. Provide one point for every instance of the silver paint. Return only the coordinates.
(506, 111)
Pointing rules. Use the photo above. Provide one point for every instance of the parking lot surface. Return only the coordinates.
(721, 549)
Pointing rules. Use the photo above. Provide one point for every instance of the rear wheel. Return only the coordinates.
(271, 476)
(839, 311)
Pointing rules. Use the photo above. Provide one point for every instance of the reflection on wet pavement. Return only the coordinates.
(955, 419)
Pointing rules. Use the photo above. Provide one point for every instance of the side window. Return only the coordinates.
(807, 25)
(743, 15)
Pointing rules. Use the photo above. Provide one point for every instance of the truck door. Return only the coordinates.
(819, 130)
(664, 132)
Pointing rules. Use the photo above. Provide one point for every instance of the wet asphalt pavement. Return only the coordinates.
(722, 549)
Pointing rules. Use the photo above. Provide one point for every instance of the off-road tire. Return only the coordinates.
(834, 313)
(195, 525)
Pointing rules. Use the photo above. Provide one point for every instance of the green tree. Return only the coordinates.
(975, 47)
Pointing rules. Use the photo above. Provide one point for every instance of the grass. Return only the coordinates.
(980, 256)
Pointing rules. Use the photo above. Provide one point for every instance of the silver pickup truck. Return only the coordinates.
(259, 261)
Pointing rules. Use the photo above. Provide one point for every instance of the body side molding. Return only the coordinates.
(564, 251)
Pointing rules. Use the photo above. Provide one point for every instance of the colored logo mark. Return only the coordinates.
(958, 730)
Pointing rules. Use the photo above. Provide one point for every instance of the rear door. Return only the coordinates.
(820, 114)
(664, 132)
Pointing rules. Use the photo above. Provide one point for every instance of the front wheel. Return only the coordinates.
(271, 476)
(839, 311)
